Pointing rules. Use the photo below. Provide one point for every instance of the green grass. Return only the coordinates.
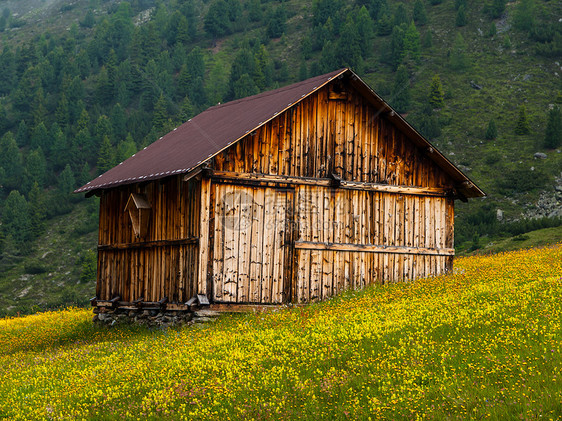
(50, 276)
(483, 342)
(538, 238)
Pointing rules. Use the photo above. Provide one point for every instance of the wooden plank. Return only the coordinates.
(231, 176)
(373, 248)
(204, 236)
(268, 227)
(256, 249)
(149, 244)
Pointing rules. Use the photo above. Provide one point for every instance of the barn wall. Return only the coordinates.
(348, 238)
(321, 136)
(342, 237)
(164, 262)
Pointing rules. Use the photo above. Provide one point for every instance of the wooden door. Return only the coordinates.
(252, 244)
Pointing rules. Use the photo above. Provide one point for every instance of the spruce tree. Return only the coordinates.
(461, 19)
(436, 96)
(22, 135)
(412, 43)
(36, 210)
(160, 116)
(401, 90)
(36, 167)
(459, 58)
(491, 130)
(524, 18)
(553, 134)
(16, 219)
(106, 156)
(419, 14)
(11, 161)
(522, 125)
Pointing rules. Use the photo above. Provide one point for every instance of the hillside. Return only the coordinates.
(483, 342)
(84, 85)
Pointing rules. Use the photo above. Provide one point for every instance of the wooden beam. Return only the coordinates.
(268, 179)
(204, 236)
(148, 244)
(372, 248)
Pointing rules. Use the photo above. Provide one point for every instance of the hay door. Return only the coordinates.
(252, 244)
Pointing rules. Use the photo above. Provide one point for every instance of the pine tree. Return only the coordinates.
(216, 22)
(11, 162)
(36, 167)
(16, 220)
(401, 90)
(40, 137)
(401, 15)
(84, 175)
(186, 110)
(459, 3)
(553, 134)
(524, 15)
(303, 71)
(397, 46)
(522, 125)
(412, 43)
(106, 156)
(458, 58)
(461, 19)
(419, 14)
(126, 149)
(22, 135)
(59, 149)
(384, 25)
(254, 10)
(436, 96)
(245, 86)
(364, 27)
(36, 210)
(491, 130)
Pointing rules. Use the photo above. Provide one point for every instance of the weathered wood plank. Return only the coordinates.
(373, 248)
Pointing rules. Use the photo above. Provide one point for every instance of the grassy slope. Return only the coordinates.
(483, 342)
(49, 277)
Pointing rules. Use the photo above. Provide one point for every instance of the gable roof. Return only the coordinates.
(218, 127)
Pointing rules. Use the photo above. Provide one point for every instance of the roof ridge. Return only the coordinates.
(275, 91)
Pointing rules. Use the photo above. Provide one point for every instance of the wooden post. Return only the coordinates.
(204, 236)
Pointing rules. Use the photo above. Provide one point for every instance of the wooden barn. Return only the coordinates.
(292, 195)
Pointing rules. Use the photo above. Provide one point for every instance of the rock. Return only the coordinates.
(203, 319)
(206, 313)
(499, 215)
(475, 85)
(539, 155)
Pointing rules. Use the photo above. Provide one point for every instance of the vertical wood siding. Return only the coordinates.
(130, 268)
(365, 218)
(320, 136)
(251, 243)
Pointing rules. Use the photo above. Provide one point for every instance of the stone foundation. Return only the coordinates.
(150, 318)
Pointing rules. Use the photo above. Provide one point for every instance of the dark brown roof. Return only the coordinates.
(215, 129)
(205, 135)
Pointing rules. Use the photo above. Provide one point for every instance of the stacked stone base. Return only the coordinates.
(143, 317)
